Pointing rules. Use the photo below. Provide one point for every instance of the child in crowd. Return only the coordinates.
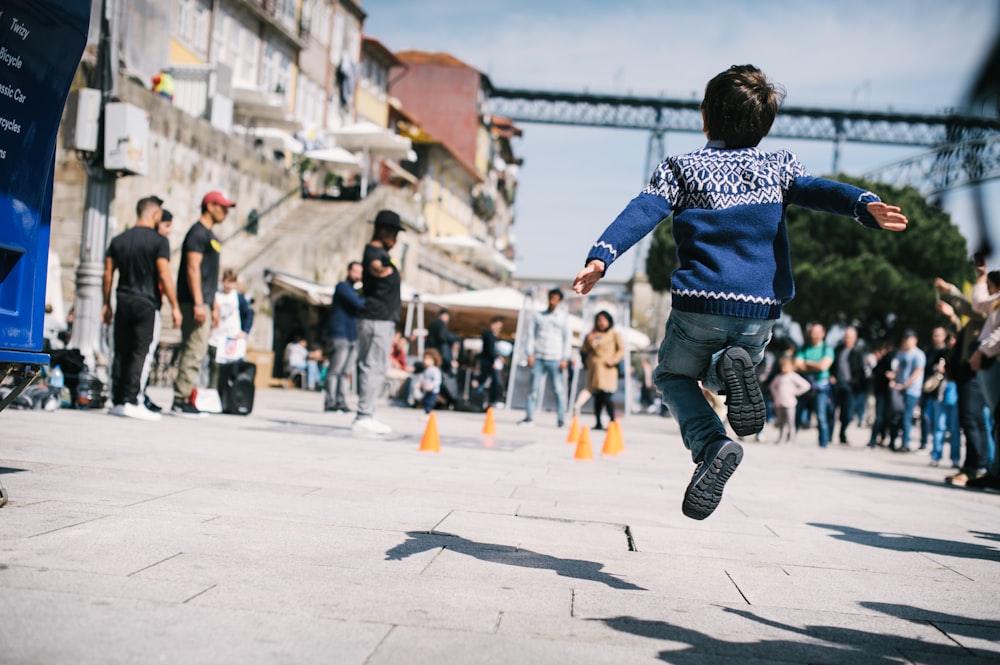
(429, 383)
(734, 272)
(786, 387)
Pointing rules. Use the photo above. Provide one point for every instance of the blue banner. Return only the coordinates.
(41, 42)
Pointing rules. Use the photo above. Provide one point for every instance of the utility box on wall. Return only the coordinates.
(126, 138)
(83, 113)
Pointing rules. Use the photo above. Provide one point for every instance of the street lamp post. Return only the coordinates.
(100, 196)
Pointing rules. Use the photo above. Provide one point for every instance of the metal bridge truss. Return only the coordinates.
(965, 149)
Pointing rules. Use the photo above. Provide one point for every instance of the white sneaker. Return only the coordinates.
(116, 410)
(370, 426)
(139, 412)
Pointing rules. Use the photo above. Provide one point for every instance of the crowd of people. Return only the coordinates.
(902, 397)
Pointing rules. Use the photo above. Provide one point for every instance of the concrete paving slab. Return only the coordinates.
(101, 630)
(285, 539)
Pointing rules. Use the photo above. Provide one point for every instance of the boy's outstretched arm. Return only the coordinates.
(589, 276)
(888, 217)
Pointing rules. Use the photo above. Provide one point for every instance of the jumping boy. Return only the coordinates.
(734, 270)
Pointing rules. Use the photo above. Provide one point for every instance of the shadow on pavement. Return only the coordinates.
(842, 645)
(902, 542)
(10, 469)
(904, 479)
(422, 541)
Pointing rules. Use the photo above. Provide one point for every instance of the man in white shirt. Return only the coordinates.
(548, 353)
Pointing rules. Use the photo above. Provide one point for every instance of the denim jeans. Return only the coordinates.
(820, 405)
(343, 361)
(691, 348)
(944, 420)
(911, 402)
(551, 369)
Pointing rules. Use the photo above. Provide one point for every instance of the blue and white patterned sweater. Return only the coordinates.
(729, 225)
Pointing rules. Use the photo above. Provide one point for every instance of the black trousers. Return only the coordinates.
(603, 400)
(134, 321)
(970, 417)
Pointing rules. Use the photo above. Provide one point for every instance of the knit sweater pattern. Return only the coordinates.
(728, 210)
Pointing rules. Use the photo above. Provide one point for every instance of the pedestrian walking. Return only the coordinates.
(603, 350)
(548, 350)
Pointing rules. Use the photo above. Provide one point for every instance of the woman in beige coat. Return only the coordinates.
(603, 350)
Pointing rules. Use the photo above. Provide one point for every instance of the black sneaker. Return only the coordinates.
(744, 401)
(704, 492)
(151, 405)
(185, 409)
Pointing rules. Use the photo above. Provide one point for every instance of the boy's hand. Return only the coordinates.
(888, 217)
(588, 277)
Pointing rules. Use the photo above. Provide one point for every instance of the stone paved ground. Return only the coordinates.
(280, 538)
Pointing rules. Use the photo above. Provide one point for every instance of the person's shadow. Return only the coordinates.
(422, 541)
(900, 542)
(837, 644)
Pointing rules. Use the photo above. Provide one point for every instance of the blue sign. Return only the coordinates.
(41, 42)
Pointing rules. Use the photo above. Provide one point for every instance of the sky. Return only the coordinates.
(910, 56)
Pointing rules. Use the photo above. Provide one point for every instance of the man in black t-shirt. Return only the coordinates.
(142, 258)
(197, 282)
(377, 320)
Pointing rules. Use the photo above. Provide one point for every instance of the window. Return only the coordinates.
(246, 47)
(192, 21)
(276, 68)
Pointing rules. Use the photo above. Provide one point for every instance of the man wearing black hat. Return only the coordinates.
(142, 258)
(377, 320)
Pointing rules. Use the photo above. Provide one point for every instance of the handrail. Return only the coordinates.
(260, 215)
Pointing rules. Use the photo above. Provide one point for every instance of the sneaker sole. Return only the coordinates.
(705, 492)
(744, 400)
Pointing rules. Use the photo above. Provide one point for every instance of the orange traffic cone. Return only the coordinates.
(619, 441)
(431, 442)
(609, 441)
(574, 431)
(583, 447)
(490, 426)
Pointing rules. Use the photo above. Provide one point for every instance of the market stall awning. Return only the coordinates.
(475, 251)
(335, 156)
(399, 172)
(254, 108)
(369, 137)
(314, 293)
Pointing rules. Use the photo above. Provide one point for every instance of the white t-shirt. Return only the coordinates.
(229, 318)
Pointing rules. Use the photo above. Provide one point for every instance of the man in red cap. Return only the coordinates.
(197, 282)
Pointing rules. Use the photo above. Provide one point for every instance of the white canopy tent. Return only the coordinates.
(370, 139)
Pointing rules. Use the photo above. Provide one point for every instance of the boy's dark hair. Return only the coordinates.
(993, 277)
(740, 105)
(496, 319)
(556, 292)
(606, 315)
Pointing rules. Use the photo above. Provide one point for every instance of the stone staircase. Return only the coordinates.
(309, 238)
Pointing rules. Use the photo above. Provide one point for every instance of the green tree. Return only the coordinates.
(847, 273)
(881, 280)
